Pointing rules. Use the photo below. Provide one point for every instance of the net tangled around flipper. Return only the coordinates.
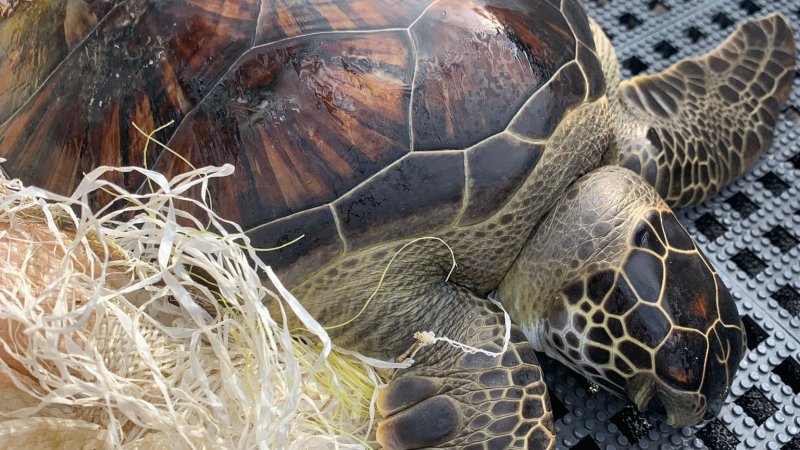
(109, 339)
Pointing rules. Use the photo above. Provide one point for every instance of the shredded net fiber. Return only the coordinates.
(108, 339)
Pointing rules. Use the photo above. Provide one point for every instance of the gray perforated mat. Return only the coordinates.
(751, 233)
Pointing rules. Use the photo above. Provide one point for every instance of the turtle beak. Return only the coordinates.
(640, 389)
(679, 408)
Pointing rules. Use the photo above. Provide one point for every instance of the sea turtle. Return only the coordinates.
(400, 137)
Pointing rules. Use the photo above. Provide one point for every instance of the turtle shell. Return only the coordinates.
(350, 122)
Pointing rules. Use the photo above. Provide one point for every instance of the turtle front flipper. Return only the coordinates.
(695, 127)
(611, 285)
(450, 398)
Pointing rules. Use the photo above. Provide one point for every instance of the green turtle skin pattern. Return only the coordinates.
(504, 405)
(429, 152)
(661, 115)
(632, 299)
(483, 252)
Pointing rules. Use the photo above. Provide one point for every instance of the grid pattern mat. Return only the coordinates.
(750, 232)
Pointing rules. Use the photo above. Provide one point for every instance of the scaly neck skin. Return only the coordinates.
(608, 60)
(582, 234)
(629, 131)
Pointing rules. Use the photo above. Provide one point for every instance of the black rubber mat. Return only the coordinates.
(751, 233)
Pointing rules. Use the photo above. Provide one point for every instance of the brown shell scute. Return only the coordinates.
(315, 115)
(592, 71)
(542, 113)
(28, 56)
(281, 19)
(497, 167)
(314, 239)
(421, 193)
(144, 63)
(578, 22)
(488, 58)
(360, 120)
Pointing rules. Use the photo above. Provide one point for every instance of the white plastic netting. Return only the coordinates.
(109, 340)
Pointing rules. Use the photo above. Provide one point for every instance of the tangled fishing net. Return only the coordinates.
(142, 326)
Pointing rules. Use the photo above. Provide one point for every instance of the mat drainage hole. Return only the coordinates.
(629, 21)
(722, 20)
(694, 34)
(782, 239)
(792, 114)
(749, 263)
(750, 7)
(586, 443)
(659, 7)
(756, 405)
(717, 437)
(631, 423)
(795, 160)
(709, 226)
(789, 299)
(794, 444)
(774, 184)
(665, 49)
(742, 204)
(635, 65)
(755, 334)
(789, 372)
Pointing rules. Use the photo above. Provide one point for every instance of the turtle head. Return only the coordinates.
(661, 329)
